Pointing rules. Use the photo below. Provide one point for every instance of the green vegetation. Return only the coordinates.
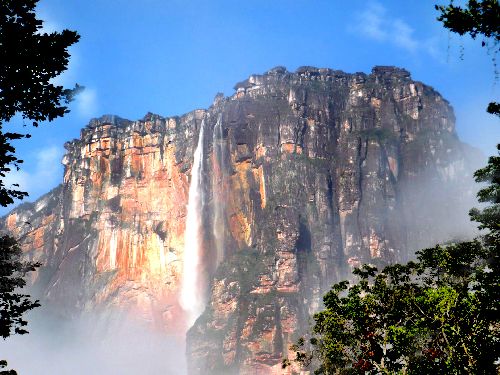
(13, 305)
(29, 61)
(436, 315)
(478, 18)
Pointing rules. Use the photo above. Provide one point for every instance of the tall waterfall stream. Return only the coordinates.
(191, 298)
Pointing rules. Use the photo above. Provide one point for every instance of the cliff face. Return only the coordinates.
(112, 235)
(303, 176)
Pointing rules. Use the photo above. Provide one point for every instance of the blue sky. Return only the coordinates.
(172, 56)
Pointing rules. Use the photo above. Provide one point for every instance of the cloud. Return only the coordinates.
(403, 36)
(86, 102)
(45, 174)
(49, 24)
(375, 23)
(371, 22)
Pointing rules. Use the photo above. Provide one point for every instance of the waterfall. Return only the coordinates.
(219, 227)
(192, 299)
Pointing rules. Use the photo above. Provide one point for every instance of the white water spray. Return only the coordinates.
(219, 227)
(191, 298)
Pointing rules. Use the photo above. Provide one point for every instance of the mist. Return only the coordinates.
(440, 206)
(92, 344)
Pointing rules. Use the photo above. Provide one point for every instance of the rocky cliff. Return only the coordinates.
(302, 176)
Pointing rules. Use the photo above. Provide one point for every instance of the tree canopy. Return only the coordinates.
(478, 18)
(12, 304)
(436, 315)
(29, 61)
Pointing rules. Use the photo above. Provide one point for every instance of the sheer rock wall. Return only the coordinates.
(305, 176)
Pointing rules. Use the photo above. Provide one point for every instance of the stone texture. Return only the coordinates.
(306, 175)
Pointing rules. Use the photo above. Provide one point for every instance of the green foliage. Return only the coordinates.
(476, 18)
(29, 60)
(434, 315)
(12, 272)
(489, 218)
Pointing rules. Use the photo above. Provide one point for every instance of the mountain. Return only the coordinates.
(233, 221)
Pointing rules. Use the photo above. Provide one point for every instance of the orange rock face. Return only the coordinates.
(140, 239)
(122, 210)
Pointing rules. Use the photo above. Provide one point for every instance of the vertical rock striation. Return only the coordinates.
(306, 175)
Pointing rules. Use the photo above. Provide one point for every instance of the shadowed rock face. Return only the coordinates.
(305, 176)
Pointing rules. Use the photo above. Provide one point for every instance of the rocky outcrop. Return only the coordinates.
(305, 176)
